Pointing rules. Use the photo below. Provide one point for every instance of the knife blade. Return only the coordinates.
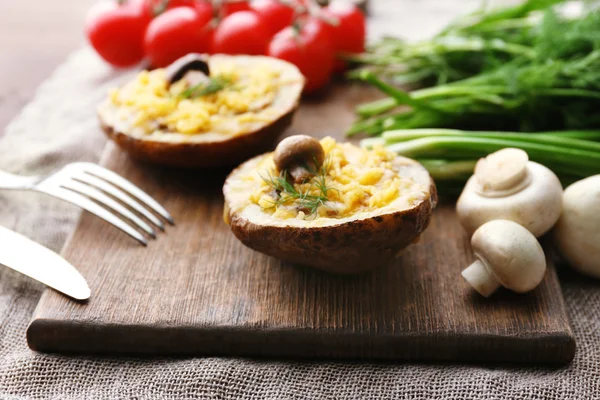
(42, 264)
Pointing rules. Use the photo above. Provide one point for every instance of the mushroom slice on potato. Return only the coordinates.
(182, 117)
(347, 243)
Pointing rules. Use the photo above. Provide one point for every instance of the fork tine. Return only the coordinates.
(124, 184)
(90, 206)
(119, 195)
(106, 201)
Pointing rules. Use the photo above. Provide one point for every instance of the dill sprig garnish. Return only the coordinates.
(210, 86)
(287, 192)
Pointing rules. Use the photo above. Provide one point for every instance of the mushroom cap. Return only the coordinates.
(511, 254)
(536, 206)
(298, 150)
(190, 62)
(577, 233)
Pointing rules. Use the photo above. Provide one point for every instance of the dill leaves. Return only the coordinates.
(525, 68)
(210, 86)
(287, 193)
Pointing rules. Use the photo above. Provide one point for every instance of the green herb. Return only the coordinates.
(287, 193)
(210, 86)
(523, 68)
(450, 155)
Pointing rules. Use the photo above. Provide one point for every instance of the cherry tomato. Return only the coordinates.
(242, 32)
(153, 8)
(204, 7)
(117, 32)
(230, 7)
(226, 8)
(310, 49)
(157, 7)
(177, 32)
(349, 34)
(179, 3)
(275, 15)
(143, 7)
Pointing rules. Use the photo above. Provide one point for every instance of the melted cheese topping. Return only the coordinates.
(149, 104)
(359, 181)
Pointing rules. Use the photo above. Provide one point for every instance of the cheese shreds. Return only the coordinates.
(359, 180)
(151, 104)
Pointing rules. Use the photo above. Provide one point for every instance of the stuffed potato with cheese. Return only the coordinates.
(329, 205)
(203, 111)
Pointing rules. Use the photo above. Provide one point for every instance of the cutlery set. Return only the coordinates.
(98, 191)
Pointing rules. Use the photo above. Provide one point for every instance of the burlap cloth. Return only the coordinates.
(59, 126)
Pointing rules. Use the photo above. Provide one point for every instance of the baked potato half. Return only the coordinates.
(235, 112)
(359, 209)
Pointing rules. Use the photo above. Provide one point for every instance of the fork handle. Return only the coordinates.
(11, 181)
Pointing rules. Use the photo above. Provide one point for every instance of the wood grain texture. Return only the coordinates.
(197, 290)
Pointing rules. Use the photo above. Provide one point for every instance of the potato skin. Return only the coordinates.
(205, 154)
(218, 153)
(349, 248)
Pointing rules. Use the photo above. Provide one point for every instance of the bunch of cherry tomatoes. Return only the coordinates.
(126, 32)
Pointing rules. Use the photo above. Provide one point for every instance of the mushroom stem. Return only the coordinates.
(299, 174)
(478, 276)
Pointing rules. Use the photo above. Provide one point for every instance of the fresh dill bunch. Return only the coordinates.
(210, 86)
(553, 85)
(287, 192)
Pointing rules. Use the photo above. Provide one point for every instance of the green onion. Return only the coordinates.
(450, 155)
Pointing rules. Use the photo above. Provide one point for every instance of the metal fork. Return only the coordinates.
(88, 186)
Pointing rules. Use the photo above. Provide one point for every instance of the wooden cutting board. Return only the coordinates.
(196, 290)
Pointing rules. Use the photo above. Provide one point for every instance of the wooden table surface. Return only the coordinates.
(35, 37)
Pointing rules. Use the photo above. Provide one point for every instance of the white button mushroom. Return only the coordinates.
(506, 185)
(507, 255)
(577, 233)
